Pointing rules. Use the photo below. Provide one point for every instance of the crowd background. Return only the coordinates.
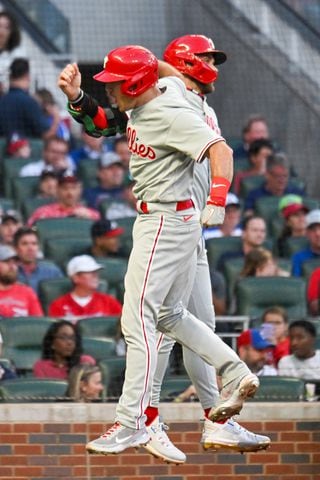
(67, 206)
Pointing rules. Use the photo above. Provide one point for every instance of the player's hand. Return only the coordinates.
(212, 215)
(70, 81)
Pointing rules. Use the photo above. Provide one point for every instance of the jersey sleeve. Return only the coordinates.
(189, 134)
(173, 82)
(96, 120)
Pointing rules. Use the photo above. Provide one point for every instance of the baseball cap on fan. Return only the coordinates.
(313, 218)
(106, 228)
(108, 159)
(82, 264)
(6, 253)
(233, 200)
(254, 338)
(291, 204)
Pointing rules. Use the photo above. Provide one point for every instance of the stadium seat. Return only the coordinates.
(87, 171)
(49, 290)
(60, 250)
(11, 170)
(102, 327)
(99, 348)
(232, 269)
(126, 238)
(113, 375)
(294, 244)
(218, 246)
(24, 188)
(32, 390)
(172, 386)
(22, 340)
(69, 227)
(280, 389)
(114, 272)
(36, 145)
(309, 266)
(255, 294)
(250, 183)
(6, 204)
(241, 164)
(6, 363)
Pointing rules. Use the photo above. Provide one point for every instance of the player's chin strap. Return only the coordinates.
(214, 211)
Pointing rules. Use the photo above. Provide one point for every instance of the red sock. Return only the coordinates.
(152, 413)
(206, 414)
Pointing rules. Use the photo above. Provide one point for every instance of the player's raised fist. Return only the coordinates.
(69, 81)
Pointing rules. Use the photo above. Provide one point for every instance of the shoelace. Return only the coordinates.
(112, 430)
(163, 437)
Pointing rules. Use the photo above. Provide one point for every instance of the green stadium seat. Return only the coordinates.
(218, 246)
(22, 339)
(69, 227)
(280, 389)
(309, 266)
(11, 170)
(87, 171)
(126, 238)
(36, 145)
(61, 250)
(241, 164)
(114, 272)
(6, 204)
(113, 374)
(32, 390)
(99, 348)
(255, 294)
(24, 188)
(250, 183)
(6, 362)
(232, 269)
(295, 244)
(172, 386)
(102, 327)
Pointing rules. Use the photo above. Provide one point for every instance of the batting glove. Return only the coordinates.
(212, 215)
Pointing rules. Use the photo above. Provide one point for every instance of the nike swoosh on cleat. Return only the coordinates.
(122, 440)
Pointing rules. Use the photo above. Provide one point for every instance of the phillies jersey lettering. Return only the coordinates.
(140, 149)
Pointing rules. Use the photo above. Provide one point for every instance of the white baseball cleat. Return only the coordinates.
(233, 396)
(117, 439)
(160, 445)
(231, 436)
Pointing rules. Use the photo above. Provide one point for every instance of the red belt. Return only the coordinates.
(183, 205)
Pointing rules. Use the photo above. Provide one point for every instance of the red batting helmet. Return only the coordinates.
(133, 65)
(182, 54)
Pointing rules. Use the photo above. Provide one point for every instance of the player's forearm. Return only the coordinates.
(97, 120)
(221, 164)
(167, 70)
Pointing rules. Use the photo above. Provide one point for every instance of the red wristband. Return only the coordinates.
(218, 192)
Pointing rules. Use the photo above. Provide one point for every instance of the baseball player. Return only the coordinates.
(196, 58)
(165, 138)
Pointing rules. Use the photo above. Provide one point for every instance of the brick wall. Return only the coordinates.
(50, 450)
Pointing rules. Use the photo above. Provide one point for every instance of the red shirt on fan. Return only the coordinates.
(99, 305)
(19, 301)
(48, 369)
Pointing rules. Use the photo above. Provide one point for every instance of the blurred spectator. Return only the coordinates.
(84, 300)
(231, 224)
(15, 300)
(121, 148)
(18, 147)
(61, 350)
(254, 350)
(260, 262)
(49, 108)
(111, 178)
(127, 208)
(68, 202)
(30, 270)
(92, 148)
(277, 317)
(10, 222)
(313, 235)
(10, 39)
(85, 383)
(276, 183)
(253, 236)
(19, 111)
(304, 362)
(256, 128)
(258, 153)
(106, 239)
(294, 213)
(5, 372)
(48, 184)
(313, 293)
(54, 158)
